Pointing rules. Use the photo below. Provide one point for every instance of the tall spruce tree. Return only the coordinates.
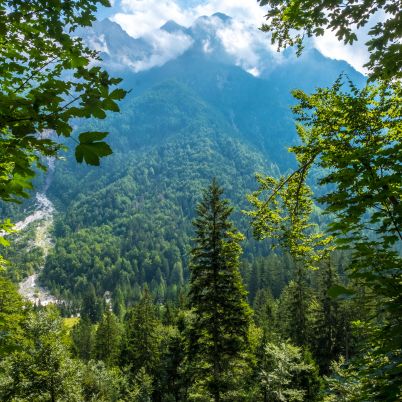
(218, 336)
(142, 338)
(330, 324)
(108, 338)
(91, 308)
(83, 340)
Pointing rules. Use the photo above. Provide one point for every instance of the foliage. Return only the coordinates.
(293, 310)
(142, 338)
(218, 336)
(142, 387)
(330, 332)
(280, 370)
(355, 382)
(48, 78)
(11, 317)
(285, 216)
(174, 379)
(363, 158)
(290, 22)
(108, 339)
(83, 342)
(100, 383)
(42, 370)
(355, 137)
(91, 308)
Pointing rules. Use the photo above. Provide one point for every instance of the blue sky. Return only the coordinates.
(140, 17)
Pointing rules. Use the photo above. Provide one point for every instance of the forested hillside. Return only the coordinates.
(196, 117)
(221, 223)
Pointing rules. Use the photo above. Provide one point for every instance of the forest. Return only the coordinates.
(192, 257)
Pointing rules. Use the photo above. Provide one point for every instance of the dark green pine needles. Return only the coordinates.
(218, 335)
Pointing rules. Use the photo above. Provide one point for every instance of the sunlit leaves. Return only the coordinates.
(354, 137)
(281, 211)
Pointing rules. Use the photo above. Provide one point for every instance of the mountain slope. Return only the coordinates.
(197, 116)
(132, 223)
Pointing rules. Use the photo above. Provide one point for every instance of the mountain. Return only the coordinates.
(256, 106)
(129, 222)
(198, 111)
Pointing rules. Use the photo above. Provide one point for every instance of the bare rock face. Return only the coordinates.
(42, 219)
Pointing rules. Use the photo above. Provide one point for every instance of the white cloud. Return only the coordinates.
(331, 47)
(206, 46)
(247, 45)
(254, 71)
(241, 10)
(141, 17)
(98, 43)
(357, 54)
(166, 46)
(138, 17)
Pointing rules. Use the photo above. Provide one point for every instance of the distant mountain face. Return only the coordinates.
(203, 104)
(226, 64)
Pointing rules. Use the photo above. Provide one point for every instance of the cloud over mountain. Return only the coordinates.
(140, 17)
(218, 36)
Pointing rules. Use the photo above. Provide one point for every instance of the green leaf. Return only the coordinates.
(98, 113)
(108, 104)
(92, 152)
(91, 136)
(4, 242)
(117, 94)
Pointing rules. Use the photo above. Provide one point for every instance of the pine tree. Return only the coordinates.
(141, 349)
(83, 339)
(91, 305)
(298, 307)
(331, 322)
(108, 338)
(218, 336)
(264, 309)
(292, 313)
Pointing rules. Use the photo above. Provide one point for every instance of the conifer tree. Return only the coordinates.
(141, 348)
(294, 304)
(264, 309)
(41, 370)
(218, 336)
(108, 338)
(91, 305)
(331, 321)
(286, 373)
(83, 339)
